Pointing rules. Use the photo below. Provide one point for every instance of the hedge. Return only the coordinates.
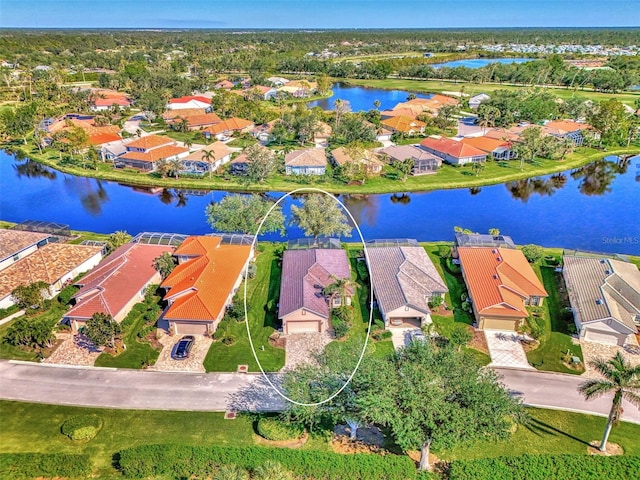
(543, 467)
(81, 427)
(183, 461)
(275, 429)
(32, 465)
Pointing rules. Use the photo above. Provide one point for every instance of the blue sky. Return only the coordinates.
(317, 13)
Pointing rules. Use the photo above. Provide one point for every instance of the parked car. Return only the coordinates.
(417, 336)
(183, 348)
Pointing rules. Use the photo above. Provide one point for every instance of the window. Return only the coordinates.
(337, 302)
(16, 258)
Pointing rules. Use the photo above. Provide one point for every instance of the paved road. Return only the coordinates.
(554, 390)
(135, 389)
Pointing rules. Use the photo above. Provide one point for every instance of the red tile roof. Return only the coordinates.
(561, 127)
(198, 289)
(499, 282)
(107, 102)
(451, 147)
(486, 144)
(155, 154)
(115, 281)
(187, 99)
(230, 124)
(201, 120)
(101, 138)
(150, 141)
(403, 123)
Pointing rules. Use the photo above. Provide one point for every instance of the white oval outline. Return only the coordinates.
(246, 312)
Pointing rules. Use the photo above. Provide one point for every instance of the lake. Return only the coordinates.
(594, 208)
(362, 98)
(480, 62)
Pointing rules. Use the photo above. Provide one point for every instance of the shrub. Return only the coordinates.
(340, 327)
(31, 465)
(275, 429)
(533, 253)
(228, 340)
(81, 427)
(435, 302)
(380, 335)
(363, 272)
(252, 270)
(221, 331)
(184, 461)
(64, 297)
(444, 251)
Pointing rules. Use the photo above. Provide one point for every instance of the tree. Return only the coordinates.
(261, 162)
(163, 167)
(620, 378)
(320, 215)
(32, 296)
(533, 253)
(611, 121)
(164, 264)
(404, 167)
(102, 329)
(208, 156)
(324, 83)
(243, 213)
(460, 335)
(30, 333)
(117, 239)
(376, 104)
(175, 165)
(339, 287)
(494, 232)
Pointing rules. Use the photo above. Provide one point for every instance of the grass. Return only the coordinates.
(556, 340)
(28, 427)
(552, 431)
(447, 177)
(262, 297)
(243, 141)
(439, 86)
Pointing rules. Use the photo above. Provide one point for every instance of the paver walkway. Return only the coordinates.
(506, 350)
(301, 347)
(592, 351)
(75, 349)
(192, 364)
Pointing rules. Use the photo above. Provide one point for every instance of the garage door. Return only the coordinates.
(606, 338)
(183, 328)
(498, 324)
(404, 322)
(312, 326)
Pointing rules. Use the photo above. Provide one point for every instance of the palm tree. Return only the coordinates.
(340, 287)
(621, 378)
(376, 103)
(231, 472)
(175, 165)
(209, 157)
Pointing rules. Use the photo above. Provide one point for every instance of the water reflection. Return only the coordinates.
(596, 178)
(400, 198)
(91, 192)
(31, 169)
(475, 190)
(365, 209)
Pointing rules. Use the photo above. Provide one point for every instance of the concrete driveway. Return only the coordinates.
(400, 336)
(506, 350)
(192, 364)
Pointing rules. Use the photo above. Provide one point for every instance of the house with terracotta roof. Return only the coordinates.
(116, 284)
(17, 244)
(56, 264)
(299, 88)
(311, 161)
(405, 109)
(605, 298)
(170, 116)
(203, 284)
(189, 101)
(229, 127)
(576, 131)
(143, 153)
(498, 149)
(404, 124)
(450, 151)
(404, 282)
(424, 163)
(511, 134)
(370, 160)
(263, 132)
(197, 122)
(240, 164)
(98, 134)
(303, 306)
(201, 162)
(501, 285)
(108, 99)
(224, 85)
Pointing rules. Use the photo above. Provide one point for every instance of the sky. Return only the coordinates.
(300, 14)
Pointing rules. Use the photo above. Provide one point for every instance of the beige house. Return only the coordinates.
(371, 162)
(311, 161)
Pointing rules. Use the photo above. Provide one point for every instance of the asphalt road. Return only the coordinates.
(149, 390)
(559, 391)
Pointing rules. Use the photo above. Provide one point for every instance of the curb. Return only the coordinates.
(577, 410)
(55, 365)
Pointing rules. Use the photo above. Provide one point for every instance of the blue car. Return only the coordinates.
(183, 347)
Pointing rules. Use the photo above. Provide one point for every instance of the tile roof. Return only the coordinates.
(367, 157)
(305, 273)
(562, 127)
(451, 147)
(486, 144)
(102, 138)
(187, 99)
(198, 289)
(219, 149)
(150, 141)
(399, 111)
(182, 113)
(499, 279)
(403, 123)
(121, 101)
(511, 134)
(49, 264)
(324, 130)
(403, 152)
(154, 154)
(311, 157)
(403, 276)
(202, 119)
(14, 241)
(230, 124)
(117, 279)
(600, 289)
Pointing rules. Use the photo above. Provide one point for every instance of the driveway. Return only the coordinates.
(75, 349)
(301, 347)
(400, 336)
(592, 351)
(506, 350)
(192, 364)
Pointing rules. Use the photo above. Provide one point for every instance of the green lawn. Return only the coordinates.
(28, 427)
(262, 297)
(556, 340)
(552, 431)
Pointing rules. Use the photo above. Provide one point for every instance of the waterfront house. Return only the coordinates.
(404, 124)
(303, 305)
(450, 151)
(605, 298)
(424, 163)
(311, 161)
(576, 131)
(498, 149)
(200, 162)
(370, 160)
(202, 286)
(17, 244)
(240, 164)
(143, 153)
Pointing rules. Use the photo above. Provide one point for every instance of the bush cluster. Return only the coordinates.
(33, 465)
(64, 297)
(380, 335)
(81, 427)
(274, 429)
(542, 467)
(183, 461)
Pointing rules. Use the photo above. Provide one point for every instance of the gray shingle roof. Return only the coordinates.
(403, 276)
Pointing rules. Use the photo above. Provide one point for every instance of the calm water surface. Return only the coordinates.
(595, 208)
(480, 62)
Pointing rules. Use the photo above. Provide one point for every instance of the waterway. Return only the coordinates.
(480, 62)
(595, 208)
